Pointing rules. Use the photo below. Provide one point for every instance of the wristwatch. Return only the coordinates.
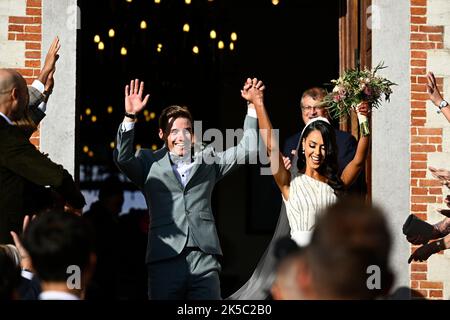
(131, 115)
(443, 104)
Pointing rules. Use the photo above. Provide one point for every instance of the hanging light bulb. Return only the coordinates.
(221, 45)
(96, 38)
(143, 24)
(212, 34)
(129, 0)
(85, 149)
(154, 147)
(123, 51)
(110, 109)
(94, 118)
(88, 111)
(157, 1)
(152, 115)
(195, 50)
(275, 2)
(111, 33)
(112, 145)
(91, 154)
(186, 27)
(233, 36)
(159, 48)
(187, 1)
(101, 46)
(231, 46)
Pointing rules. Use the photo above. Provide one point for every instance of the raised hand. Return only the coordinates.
(253, 91)
(425, 251)
(133, 97)
(442, 174)
(25, 260)
(50, 60)
(432, 89)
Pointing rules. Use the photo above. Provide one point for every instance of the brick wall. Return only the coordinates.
(429, 136)
(21, 39)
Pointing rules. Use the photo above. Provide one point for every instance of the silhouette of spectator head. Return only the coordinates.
(9, 275)
(348, 257)
(60, 244)
(111, 195)
(289, 264)
(14, 95)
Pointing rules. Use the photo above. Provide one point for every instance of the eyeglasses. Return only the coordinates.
(309, 109)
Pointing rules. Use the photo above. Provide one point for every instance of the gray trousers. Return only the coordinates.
(192, 275)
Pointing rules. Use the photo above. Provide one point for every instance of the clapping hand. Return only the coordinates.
(25, 260)
(425, 251)
(432, 89)
(442, 174)
(50, 60)
(133, 97)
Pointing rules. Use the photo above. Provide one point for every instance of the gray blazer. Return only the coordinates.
(176, 210)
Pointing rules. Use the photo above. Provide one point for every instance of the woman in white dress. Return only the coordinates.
(311, 185)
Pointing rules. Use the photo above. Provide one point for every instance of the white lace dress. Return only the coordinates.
(307, 197)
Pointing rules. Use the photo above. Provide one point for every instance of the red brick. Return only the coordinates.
(32, 54)
(431, 29)
(439, 45)
(419, 157)
(418, 20)
(431, 285)
(435, 191)
(417, 165)
(429, 183)
(419, 113)
(419, 63)
(25, 72)
(418, 276)
(435, 140)
(414, 182)
(439, 149)
(419, 267)
(33, 63)
(418, 207)
(423, 199)
(29, 37)
(419, 71)
(422, 80)
(423, 148)
(418, 104)
(34, 12)
(415, 36)
(436, 37)
(32, 46)
(418, 2)
(430, 131)
(419, 96)
(419, 191)
(418, 54)
(36, 72)
(418, 174)
(414, 28)
(414, 131)
(419, 139)
(37, 20)
(418, 11)
(418, 122)
(418, 87)
(422, 45)
(15, 28)
(11, 36)
(436, 294)
(21, 20)
(34, 3)
(33, 29)
(414, 284)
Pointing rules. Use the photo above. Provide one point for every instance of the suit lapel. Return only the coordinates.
(166, 165)
(197, 164)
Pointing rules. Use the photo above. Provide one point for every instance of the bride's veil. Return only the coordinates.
(259, 284)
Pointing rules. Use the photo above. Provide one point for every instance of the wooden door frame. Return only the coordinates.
(355, 50)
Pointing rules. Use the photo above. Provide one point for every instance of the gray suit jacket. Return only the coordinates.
(176, 210)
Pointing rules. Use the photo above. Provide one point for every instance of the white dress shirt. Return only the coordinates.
(57, 295)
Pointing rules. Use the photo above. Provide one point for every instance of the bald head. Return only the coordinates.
(13, 94)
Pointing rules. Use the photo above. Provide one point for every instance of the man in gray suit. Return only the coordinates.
(177, 184)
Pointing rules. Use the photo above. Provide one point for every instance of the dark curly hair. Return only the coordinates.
(329, 168)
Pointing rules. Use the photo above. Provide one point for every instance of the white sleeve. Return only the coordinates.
(127, 126)
(251, 112)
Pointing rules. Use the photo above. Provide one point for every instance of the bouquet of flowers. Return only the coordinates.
(354, 87)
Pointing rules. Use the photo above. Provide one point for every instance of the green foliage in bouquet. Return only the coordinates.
(356, 86)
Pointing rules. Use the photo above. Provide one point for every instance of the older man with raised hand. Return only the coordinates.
(21, 163)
